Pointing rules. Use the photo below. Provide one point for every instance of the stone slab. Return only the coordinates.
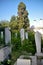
(39, 54)
(23, 62)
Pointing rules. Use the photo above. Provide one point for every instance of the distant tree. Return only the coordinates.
(13, 18)
(4, 23)
(0, 25)
(13, 24)
(23, 19)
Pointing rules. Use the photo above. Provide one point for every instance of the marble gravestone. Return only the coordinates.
(22, 35)
(38, 42)
(26, 35)
(7, 36)
(23, 62)
(2, 35)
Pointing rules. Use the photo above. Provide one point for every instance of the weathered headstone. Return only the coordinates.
(2, 35)
(16, 35)
(7, 36)
(42, 62)
(38, 42)
(26, 35)
(22, 35)
(23, 62)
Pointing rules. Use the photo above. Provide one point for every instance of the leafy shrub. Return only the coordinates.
(7, 62)
(28, 46)
(42, 43)
(1, 63)
(16, 42)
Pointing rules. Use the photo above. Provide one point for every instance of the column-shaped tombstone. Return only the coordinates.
(38, 42)
(7, 36)
(22, 35)
(26, 35)
(2, 35)
(16, 35)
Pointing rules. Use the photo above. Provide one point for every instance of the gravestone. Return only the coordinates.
(23, 62)
(22, 35)
(2, 35)
(26, 35)
(38, 42)
(16, 35)
(7, 36)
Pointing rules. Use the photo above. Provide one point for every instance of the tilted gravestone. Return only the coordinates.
(38, 42)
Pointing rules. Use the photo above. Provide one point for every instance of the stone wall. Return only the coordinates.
(4, 52)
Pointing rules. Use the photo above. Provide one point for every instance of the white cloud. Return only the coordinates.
(36, 23)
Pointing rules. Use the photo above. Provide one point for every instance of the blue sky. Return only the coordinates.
(9, 8)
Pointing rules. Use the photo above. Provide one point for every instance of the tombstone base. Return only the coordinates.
(38, 54)
(23, 62)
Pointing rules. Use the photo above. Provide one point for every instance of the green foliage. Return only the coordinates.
(31, 36)
(0, 63)
(7, 62)
(4, 24)
(15, 55)
(41, 42)
(16, 42)
(28, 46)
(21, 5)
(13, 24)
(24, 48)
(13, 18)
